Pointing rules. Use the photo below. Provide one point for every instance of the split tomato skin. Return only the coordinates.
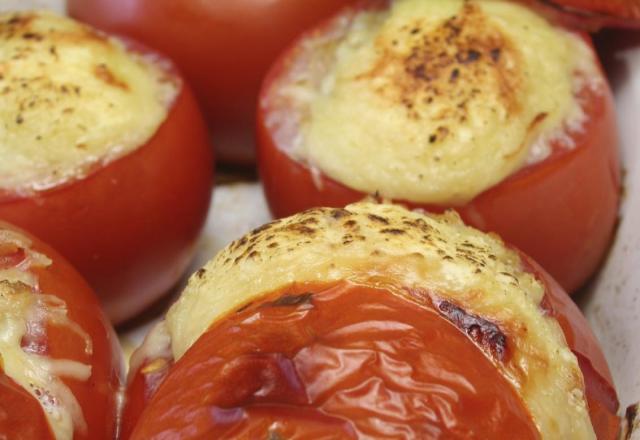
(224, 49)
(98, 395)
(561, 211)
(130, 226)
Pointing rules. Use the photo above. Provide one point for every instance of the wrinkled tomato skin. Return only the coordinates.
(130, 226)
(223, 47)
(313, 371)
(561, 211)
(600, 393)
(97, 396)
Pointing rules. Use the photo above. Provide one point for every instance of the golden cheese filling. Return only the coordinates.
(431, 101)
(389, 247)
(71, 99)
(25, 311)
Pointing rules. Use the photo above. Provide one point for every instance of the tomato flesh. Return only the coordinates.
(295, 365)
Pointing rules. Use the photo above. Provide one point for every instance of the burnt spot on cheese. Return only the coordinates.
(339, 213)
(104, 73)
(444, 65)
(263, 243)
(379, 219)
(484, 333)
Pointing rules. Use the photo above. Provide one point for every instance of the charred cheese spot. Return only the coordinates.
(71, 99)
(470, 278)
(431, 102)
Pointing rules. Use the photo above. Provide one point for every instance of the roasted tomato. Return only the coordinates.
(593, 14)
(60, 369)
(371, 321)
(450, 104)
(104, 155)
(223, 47)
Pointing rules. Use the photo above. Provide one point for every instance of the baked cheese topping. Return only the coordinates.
(71, 99)
(386, 246)
(431, 101)
(25, 312)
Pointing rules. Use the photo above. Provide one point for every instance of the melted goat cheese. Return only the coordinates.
(23, 312)
(431, 101)
(386, 246)
(71, 99)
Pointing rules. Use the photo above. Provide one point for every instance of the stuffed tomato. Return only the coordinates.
(224, 48)
(104, 155)
(60, 364)
(481, 106)
(371, 322)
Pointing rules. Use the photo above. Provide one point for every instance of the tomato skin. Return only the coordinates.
(21, 415)
(97, 396)
(142, 386)
(131, 225)
(224, 49)
(561, 211)
(600, 392)
(314, 370)
(592, 14)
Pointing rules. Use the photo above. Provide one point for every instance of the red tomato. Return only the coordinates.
(298, 369)
(130, 226)
(277, 369)
(223, 47)
(22, 415)
(601, 395)
(560, 211)
(594, 14)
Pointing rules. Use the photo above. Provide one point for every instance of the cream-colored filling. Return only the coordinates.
(431, 101)
(71, 99)
(23, 312)
(387, 246)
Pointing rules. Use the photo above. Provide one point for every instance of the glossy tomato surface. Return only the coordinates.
(224, 49)
(561, 211)
(22, 416)
(328, 362)
(296, 365)
(130, 226)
